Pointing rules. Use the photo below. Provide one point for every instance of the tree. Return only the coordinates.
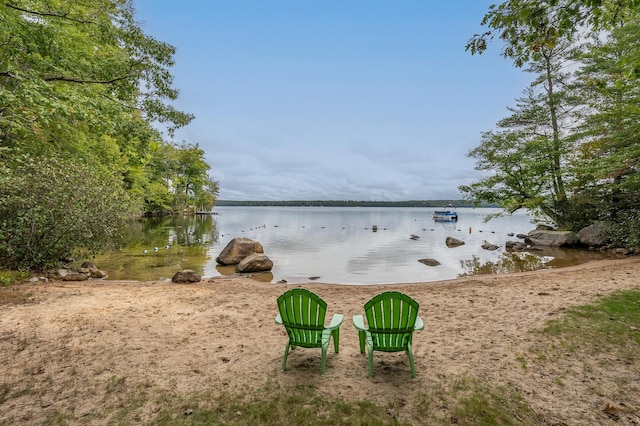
(526, 26)
(609, 83)
(526, 159)
(80, 79)
(81, 89)
(64, 62)
(609, 157)
(179, 179)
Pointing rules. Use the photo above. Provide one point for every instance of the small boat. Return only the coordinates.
(449, 214)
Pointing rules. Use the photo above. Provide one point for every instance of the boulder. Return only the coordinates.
(518, 246)
(99, 274)
(542, 227)
(489, 246)
(90, 270)
(74, 276)
(429, 262)
(593, 235)
(238, 249)
(453, 242)
(256, 262)
(186, 276)
(551, 238)
(510, 244)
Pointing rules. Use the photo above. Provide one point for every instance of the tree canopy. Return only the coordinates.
(569, 151)
(528, 26)
(81, 83)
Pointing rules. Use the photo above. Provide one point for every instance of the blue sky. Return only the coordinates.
(340, 100)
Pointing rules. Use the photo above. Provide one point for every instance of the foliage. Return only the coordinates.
(65, 63)
(49, 208)
(570, 150)
(607, 168)
(8, 277)
(179, 180)
(81, 84)
(525, 160)
(527, 27)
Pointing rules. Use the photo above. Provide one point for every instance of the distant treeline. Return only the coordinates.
(349, 203)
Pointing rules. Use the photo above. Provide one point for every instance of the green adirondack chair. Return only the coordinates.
(392, 318)
(302, 313)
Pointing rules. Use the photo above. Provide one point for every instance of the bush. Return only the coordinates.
(49, 208)
(624, 229)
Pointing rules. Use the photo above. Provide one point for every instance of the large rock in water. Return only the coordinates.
(453, 242)
(551, 238)
(593, 235)
(238, 249)
(256, 262)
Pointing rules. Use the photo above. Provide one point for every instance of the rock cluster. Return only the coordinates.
(592, 236)
(84, 272)
(246, 254)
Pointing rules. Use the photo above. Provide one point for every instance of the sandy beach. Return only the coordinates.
(61, 351)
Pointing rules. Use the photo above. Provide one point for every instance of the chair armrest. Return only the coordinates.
(419, 324)
(278, 319)
(336, 320)
(358, 322)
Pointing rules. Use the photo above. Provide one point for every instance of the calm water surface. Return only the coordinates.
(332, 245)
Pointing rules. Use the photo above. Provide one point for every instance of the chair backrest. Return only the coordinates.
(303, 314)
(391, 317)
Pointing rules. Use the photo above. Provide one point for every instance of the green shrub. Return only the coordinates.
(624, 231)
(51, 207)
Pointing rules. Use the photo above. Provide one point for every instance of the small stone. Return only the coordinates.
(429, 262)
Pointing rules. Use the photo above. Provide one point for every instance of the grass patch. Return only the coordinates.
(271, 405)
(11, 292)
(12, 277)
(466, 401)
(473, 401)
(614, 321)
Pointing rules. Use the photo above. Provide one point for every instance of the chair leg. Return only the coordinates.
(370, 361)
(286, 353)
(413, 368)
(362, 336)
(336, 339)
(323, 362)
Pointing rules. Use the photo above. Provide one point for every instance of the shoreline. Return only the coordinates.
(62, 351)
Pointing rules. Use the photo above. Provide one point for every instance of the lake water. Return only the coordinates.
(332, 245)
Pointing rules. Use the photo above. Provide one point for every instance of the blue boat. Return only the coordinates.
(449, 214)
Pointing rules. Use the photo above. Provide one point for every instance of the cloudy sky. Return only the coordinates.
(334, 99)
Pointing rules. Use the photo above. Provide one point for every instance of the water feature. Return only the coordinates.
(334, 245)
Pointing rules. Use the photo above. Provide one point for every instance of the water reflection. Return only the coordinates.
(517, 261)
(156, 248)
(506, 263)
(336, 245)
